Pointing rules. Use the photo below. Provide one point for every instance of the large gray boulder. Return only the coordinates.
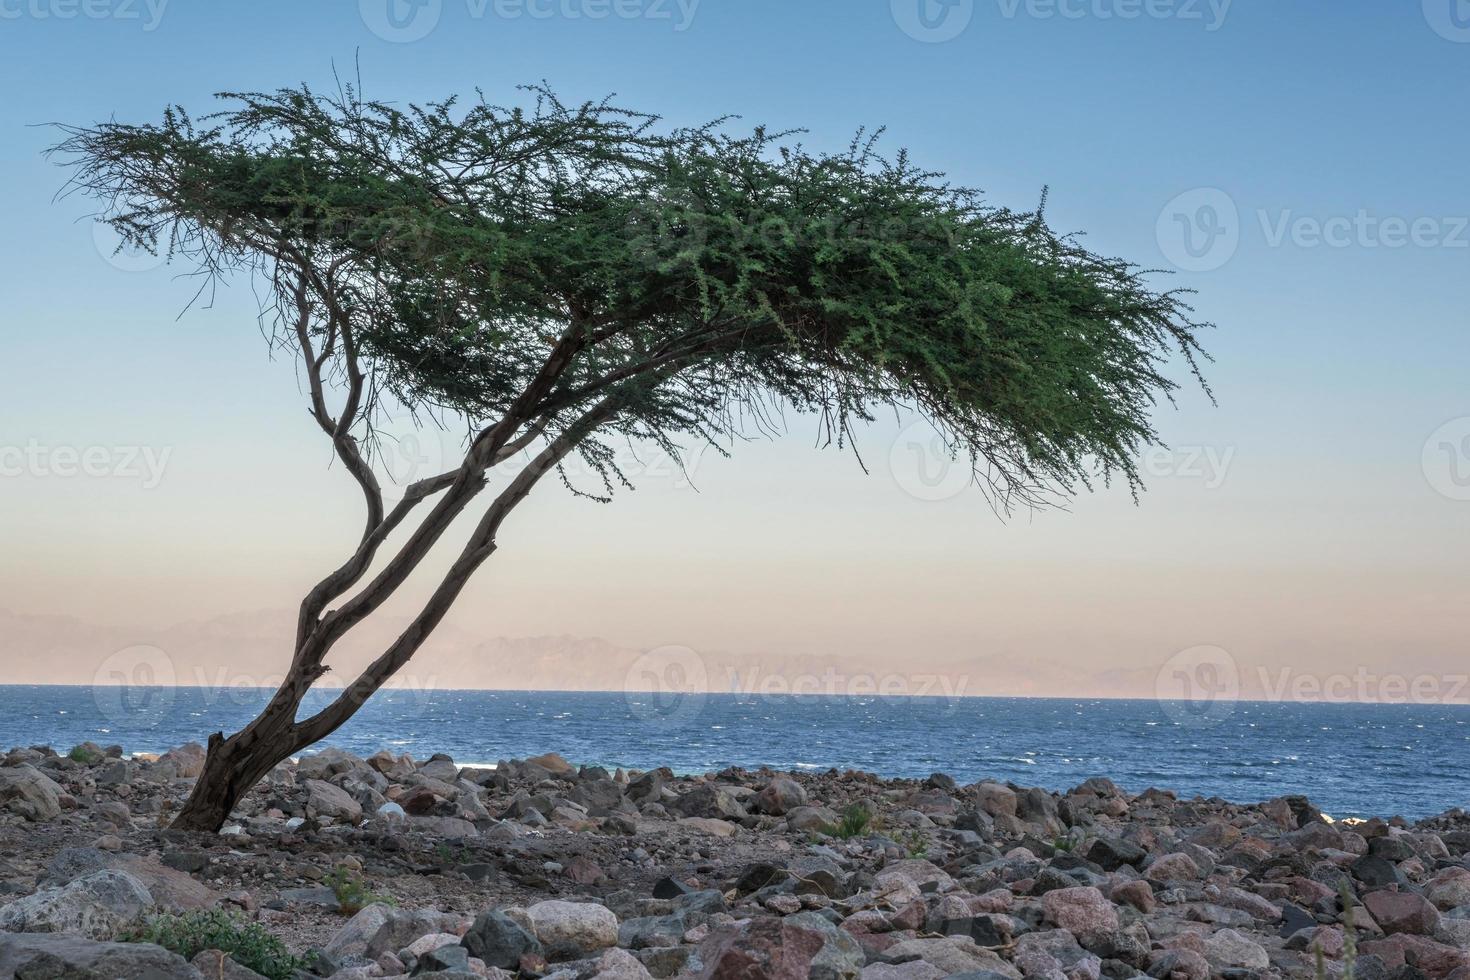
(31, 793)
(352, 940)
(325, 800)
(499, 940)
(99, 906)
(66, 957)
(326, 763)
(708, 801)
(172, 890)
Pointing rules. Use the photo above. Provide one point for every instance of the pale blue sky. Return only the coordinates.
(1298, 515)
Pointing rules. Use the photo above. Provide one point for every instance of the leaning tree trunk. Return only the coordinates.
(234, 765)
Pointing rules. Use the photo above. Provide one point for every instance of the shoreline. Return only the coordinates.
(663, 875)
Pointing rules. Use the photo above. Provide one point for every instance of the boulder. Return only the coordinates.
(1112, 853)
(217, 965)
(327, 763)
(1084, 912)
(709, 825)
(779, 797)
(804, 819)
(187, 760)
(709, 801)
(619, 964)
(1231, 950)
(1138, 894)
(29, 792)
(951, 954)
(1179, 964)
(440, 767)
(553, 763)
(1402, 912)
(912, 970)
(648, 788)
(570, 930)
(1173, 867)
(1449, 890)
(351, 941)
(98, 906)
(499, 940)
(403, 926)
(790, 948)
(172, 890)
(66, 956)
(996, 799)
(325, 800)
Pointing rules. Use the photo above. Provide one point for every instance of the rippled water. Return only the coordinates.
(1352, 760)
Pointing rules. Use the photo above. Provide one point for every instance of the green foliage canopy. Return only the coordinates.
(702, 278)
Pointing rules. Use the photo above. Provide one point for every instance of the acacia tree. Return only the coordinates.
(561, 276)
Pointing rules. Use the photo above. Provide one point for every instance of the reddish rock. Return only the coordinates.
(1236, 898)
(583, 870)
(1309, 892)
(1435, 959)
(911, 916)
(779, 797)
(1138, 894)
(1402, 912)
(418, 801)
(793, 948)
(553, 763)
(1328, 939)
(996, 799)
(1173, 867)
(1084, 912)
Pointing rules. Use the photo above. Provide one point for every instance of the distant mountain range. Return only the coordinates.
(251, 649)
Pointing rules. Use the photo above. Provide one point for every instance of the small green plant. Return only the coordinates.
(191, 933)
(915, 843)
(1063, 844)
(449, 856)
(85, 754)
(856, 821)
(1349, 939)
(352, 891)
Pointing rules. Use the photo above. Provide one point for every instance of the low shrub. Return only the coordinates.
(191, 933)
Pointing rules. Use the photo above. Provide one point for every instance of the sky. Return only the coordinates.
(1300, 164)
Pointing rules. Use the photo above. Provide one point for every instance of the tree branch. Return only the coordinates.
(479, 547)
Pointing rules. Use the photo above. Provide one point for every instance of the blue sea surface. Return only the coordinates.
(1351, 759)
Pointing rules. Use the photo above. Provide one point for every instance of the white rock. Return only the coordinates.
(569, 930)
(1228, 949)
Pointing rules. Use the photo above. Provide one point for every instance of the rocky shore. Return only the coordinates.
(388, 866)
